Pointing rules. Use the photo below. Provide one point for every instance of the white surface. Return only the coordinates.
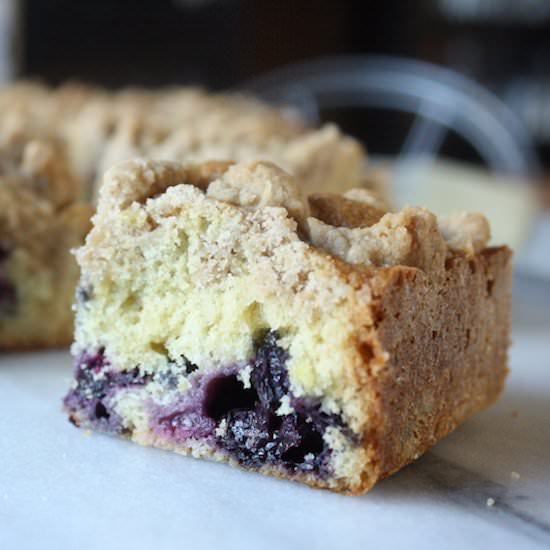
(61, 489)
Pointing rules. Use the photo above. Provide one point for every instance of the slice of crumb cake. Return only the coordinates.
(40, 221)
(223, 315)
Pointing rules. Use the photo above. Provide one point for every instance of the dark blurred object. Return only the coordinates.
(441, 103)
(503, 44)
(123, 42)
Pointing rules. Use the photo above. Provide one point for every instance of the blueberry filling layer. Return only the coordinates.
(249, 428)
(237, 418)
(95, 385)
(8, 292)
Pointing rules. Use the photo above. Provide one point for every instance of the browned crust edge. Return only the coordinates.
(432, 361)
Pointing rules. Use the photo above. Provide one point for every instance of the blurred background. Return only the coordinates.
(451, 97)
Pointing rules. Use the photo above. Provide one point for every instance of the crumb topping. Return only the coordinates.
(38, 167)
(366, 196)
(409, 237)
(256, 185)
(467, 232)
(100, 129)
(353, 227)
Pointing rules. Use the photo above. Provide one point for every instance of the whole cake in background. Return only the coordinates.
(224, 314)
(57, 142)
(100, 128)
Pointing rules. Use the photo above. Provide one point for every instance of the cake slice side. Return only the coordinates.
(436, 354)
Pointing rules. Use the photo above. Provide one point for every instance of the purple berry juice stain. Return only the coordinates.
(218, 409)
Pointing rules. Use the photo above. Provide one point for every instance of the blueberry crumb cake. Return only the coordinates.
(223, 315)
